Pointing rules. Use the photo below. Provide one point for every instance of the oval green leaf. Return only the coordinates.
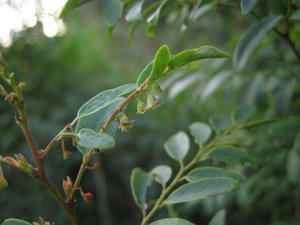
(103, 99)
(212, 172)
(88, 138)
(172, 221)
(112, 10)
(251, 39)
(161, 174)
(160, 61)
(202, 189)
(15, 222)
(177, 146)
(191, 55)
(144, 74)
(247, 6)
(219, 218)
(220, 123)
(154, 17)
(139, 183)
(135, 12)
(96, 120)
(71, 4)
(230, 154)
(200, 131)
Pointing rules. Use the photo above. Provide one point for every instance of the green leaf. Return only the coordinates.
(191, 55)
(154, 17)
(212, 172)
(285, 128)
(144, 74)
(88, 138)
(293, 166)
(112, 10)
(197, 12)
(242, 113)
(200, 131)
(15, 222)
(135, 12)
(230, 154)
(251, 39)
(172, 221)
(71, 4)
(177, 146)
(161, 174)
(219, 218)
(214, 83)
(96, 120)
(103, 99)
(139, 182)
(247, 6)
(202, 189)
(160, 61)
(220, 123)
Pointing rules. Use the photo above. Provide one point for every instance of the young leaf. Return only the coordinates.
(219, 218)
(135, 12)
(161, 174)
(160, 61)
(242, 113)
(177, 146)
(172, 221)
(202, 189)
(251, 39)
(247, 6)
(96, 120)
(88, 138)
(112, 10)
(139, 182)
(230, 154)
(154, 17)
(220, 123)
(103, 99)
(15, 222)
(191, 55)
(200, 131)
(71, 4)
(202, 173)
(144, 74)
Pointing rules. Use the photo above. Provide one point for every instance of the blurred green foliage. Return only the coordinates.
(62, 73)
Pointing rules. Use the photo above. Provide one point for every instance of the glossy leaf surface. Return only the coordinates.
(139, 182)
(177, 146)
(202, 189)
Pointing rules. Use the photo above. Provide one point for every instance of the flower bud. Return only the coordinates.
(3, 64)
(125, 124)
(141, 106)
(3, 182)
(2, 91)
(152, 102)
(68, 187)
(87, 197)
